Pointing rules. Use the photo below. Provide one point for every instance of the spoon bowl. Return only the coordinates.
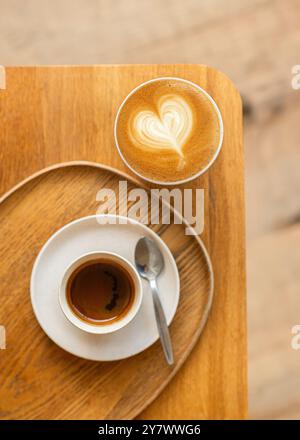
(148, 258)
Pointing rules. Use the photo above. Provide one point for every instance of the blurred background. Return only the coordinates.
(256, 43)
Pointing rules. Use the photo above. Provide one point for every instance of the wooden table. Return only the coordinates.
(56, 114)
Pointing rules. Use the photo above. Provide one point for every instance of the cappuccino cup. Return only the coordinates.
(168, 130)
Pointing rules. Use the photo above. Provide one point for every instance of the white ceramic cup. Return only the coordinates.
(98, 328)
(216, 109)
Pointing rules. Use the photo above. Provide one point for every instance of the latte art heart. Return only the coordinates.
(168, 129)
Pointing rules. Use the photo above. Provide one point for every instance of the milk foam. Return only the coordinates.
(168, 129)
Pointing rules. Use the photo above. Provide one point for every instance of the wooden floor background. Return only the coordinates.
(256, 43)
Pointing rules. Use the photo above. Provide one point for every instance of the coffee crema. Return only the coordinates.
(100, 292)
(168, 130)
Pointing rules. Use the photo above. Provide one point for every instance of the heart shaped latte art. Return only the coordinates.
(168, 129)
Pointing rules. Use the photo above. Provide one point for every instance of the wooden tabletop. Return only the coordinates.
(56, 114)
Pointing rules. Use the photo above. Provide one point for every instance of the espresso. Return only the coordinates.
(168, 130)
(100, 292)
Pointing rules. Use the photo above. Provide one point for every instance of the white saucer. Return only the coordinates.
(75, 239)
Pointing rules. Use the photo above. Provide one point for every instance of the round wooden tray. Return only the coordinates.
(38, 379)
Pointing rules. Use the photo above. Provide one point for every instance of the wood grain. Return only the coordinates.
(49, 115)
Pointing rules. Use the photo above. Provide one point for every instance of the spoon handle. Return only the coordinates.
(162, 324)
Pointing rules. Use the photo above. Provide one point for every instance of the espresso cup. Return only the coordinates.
(168, 130)
(80, 278)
